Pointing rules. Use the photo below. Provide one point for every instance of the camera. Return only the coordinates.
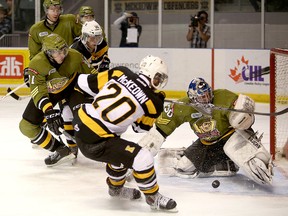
(194, 21)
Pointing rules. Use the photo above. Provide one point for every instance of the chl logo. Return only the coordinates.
(11, 66)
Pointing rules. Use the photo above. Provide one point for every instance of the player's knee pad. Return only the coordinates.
(29, 130)
(143, 160)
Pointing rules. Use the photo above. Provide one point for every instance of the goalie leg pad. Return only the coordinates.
(152, 141)
(246, 150)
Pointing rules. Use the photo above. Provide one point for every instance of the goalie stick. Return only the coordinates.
(205, 107)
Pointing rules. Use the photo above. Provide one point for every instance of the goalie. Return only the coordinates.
(226, 141)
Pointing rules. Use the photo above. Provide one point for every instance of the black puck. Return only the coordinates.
(215, 184)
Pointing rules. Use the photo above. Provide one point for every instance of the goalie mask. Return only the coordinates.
(199, 91)
(92, 35)
(155, 69)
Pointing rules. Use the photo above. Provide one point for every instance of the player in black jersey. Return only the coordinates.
(123, 98)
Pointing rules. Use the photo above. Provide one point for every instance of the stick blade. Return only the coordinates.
(15, 96)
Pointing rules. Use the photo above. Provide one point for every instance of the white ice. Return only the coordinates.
(29, 188)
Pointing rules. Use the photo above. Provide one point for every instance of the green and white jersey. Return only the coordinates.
(207, 128)
(48, 78)
(67, 27)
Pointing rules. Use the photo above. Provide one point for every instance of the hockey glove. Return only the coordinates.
(161, 95)
(26, 76)
(54, 120)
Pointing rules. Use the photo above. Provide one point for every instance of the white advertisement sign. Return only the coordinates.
(183, 64)
(243, 71)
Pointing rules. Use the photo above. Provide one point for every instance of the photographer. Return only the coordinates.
(199, 32)
(131, 30)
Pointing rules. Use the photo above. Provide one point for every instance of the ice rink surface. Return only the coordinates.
(29, 188)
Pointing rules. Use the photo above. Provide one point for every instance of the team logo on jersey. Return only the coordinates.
(205, 128)
(129, 149)
(196, 115)
(42, 34)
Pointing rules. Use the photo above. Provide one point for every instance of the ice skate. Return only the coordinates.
(161, 203)
(123, 192)
(62, 155)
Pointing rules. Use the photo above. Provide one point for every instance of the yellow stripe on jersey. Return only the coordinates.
(146, 120)
(144, 175)
(151, 191)
(117, 183)
(46, 141)
(103, 77)
(163, 121)
(151, 107)
(68, 127)
(205, 142)
(93, 125)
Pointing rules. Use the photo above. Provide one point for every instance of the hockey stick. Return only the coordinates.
(12, 92)
(206, 107)
(66, 134)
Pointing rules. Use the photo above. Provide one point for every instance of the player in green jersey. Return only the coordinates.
(52, 76)
(86, 13)
(65, 25)
(225, 139)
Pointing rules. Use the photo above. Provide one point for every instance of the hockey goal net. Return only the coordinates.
(278, 101)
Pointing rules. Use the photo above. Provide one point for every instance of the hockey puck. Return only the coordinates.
(215, 184)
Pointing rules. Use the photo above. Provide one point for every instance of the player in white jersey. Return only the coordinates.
(123, 98)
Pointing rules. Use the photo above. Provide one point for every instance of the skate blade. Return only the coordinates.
(174, 210)
(68, 158)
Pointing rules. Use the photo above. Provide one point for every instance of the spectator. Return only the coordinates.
(9, 7)
(128, 23)
(5, 22)
(199, 32)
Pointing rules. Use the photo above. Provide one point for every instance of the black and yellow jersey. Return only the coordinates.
(121, 98)
(98, 58)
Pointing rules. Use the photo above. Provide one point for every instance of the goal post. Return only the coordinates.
(278, 101)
